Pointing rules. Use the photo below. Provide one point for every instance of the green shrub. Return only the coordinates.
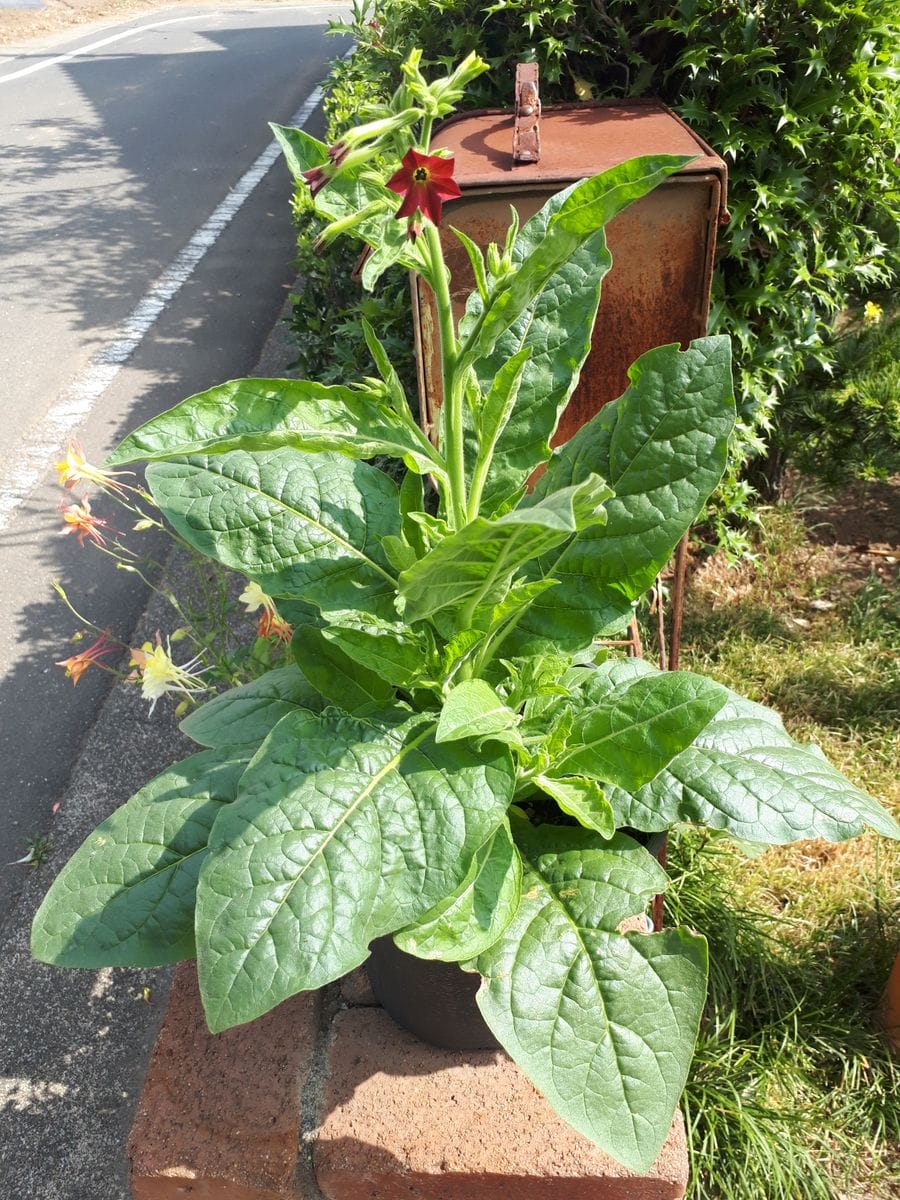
(849, 429)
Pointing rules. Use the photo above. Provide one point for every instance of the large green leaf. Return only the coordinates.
(300, 149)
(345, 829)
(470, 920)
(399, 655)
(555, 332)
(587, 208)
(603, 1024)
(264, 414)
(662, 448)
(337, 675)
(582, 798)
(126, 897)
(626, 734)
(473, 710)
(745, 775)
(244, 715)
(474, 565)
(301, 525)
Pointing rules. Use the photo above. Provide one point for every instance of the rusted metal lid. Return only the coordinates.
(577, 140)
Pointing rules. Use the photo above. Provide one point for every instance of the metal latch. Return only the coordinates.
(527, 131)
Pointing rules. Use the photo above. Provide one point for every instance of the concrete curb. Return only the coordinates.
(74, 1044)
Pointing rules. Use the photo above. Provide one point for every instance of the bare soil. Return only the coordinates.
(851, 537)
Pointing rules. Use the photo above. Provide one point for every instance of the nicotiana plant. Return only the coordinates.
(453, 758)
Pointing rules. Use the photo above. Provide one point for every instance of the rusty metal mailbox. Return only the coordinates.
(662, 246)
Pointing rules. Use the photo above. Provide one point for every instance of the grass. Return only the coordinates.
(793, 1094)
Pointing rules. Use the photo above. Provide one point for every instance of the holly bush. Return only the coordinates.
(849, 428)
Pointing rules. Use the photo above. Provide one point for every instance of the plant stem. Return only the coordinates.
(452, 449)
(479, 479)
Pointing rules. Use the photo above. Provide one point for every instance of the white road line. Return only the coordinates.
(33, 457)
(117, 37)
(107, 41)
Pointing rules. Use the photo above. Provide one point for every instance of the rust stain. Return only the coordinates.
(662, 246)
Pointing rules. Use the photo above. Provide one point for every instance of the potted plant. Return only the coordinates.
(453, 760)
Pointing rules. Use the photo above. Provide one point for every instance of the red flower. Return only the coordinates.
(316, 177)
(424, 181)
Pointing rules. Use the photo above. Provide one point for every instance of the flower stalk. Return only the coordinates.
(452, 441)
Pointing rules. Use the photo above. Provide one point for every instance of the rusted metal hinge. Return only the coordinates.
(527, 131)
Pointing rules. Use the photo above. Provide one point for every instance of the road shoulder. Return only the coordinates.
(75, 1043)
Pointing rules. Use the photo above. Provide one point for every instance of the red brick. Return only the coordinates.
(219, 1116)
(400, 1119)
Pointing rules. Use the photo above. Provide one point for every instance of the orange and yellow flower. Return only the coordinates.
(81, 521)
(273, 627)
(253, 597)
(270, 624)
(76, 665)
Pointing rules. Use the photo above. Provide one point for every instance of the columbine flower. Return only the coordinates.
(159, 674)
(253, 597)
(75, 468)
(271, 626)
(424, 181)
(872, 313)
(80, 520)
(77, 664)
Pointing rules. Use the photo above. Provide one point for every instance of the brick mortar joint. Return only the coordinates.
(331, 1003)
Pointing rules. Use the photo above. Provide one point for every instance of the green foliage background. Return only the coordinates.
(801, 99)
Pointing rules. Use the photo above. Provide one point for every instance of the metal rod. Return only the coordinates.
(678, 601)
(660, 622)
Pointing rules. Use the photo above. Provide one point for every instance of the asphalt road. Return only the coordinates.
(140, 263)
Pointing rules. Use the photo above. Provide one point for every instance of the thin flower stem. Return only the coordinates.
(61, 592)
(453, 447)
